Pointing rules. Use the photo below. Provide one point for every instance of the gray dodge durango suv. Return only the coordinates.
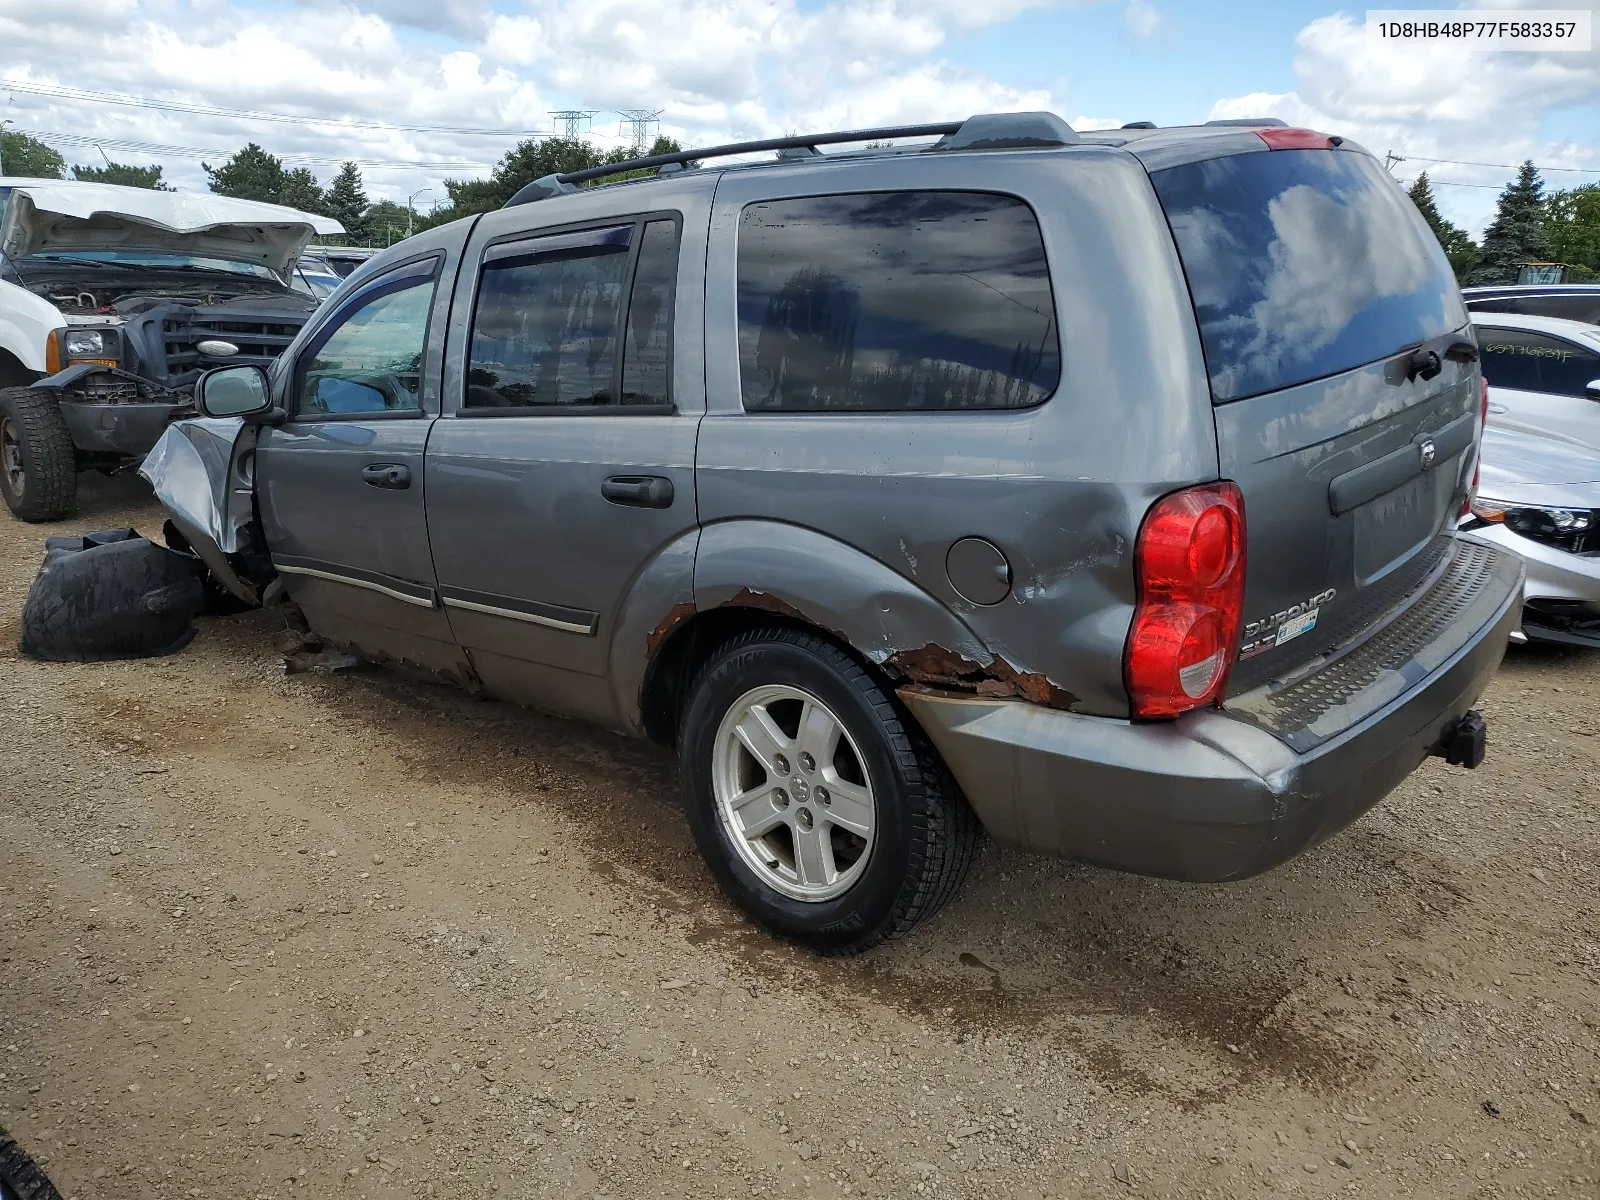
(1097, 490)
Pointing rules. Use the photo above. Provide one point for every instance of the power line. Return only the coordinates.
(1456, 162)
(156, 148)
(241, 114)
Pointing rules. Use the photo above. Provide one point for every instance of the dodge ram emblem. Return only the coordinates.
(1429, 453)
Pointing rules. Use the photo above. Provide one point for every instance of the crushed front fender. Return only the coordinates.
(192, 469)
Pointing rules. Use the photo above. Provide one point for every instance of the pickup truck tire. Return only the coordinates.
(20, 1177)
(38, 469)
(860, 847)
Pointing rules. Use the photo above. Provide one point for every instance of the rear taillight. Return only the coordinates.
(1477, 444)
(1189, 565)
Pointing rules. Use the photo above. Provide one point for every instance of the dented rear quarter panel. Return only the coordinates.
(848, 517)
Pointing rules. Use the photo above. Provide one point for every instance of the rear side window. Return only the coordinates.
(1302, 264)
(548, 328)
(1531, 362)
(894, 300)
(1572, 308)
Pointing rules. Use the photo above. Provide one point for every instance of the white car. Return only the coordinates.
(1543, 373)
(112, 302)
(1539, 484)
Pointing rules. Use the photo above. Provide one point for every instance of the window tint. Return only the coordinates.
(1531, 362)
(647, 353)
(1573, 308)
(896, 300)
(545, 329)
(372, 362)
(1302, 264)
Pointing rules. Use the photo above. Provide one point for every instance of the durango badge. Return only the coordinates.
(1261, 636)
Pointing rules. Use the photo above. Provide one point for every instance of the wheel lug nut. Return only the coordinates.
(822, 796)
(803, 818)
(780, 797)
(782, 764)
(807, 763)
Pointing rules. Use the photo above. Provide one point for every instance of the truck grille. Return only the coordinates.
(259, 342)
(1303, 711)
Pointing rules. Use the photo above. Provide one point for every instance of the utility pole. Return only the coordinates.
(574, 122)
(1391, 160)
(3, 125)
(639, 122)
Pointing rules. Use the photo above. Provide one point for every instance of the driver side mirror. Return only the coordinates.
(1592, 389)
(233, 392)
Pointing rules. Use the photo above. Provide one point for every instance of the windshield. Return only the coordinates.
(1303, 264)
(153, 258)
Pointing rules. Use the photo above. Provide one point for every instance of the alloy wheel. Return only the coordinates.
(792, 792)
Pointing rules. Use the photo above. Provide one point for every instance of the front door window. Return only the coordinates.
(370, 361)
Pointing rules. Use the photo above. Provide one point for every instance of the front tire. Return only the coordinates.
(38, 468)
(819, 806)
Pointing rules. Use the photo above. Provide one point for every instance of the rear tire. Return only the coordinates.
(38, 467)
(819, 806)
(20, 1176)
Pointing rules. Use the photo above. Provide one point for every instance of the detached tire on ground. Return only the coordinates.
(819, 806)
(38, 468)
(20, 1176)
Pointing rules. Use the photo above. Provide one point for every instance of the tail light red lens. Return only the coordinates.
(1189, 563)
(1477, 445)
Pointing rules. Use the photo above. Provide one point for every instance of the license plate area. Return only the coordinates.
(1392, 528)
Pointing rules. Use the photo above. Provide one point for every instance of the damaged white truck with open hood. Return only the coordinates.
(113, 300)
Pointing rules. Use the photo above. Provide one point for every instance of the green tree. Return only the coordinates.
(253, 174)
(530, 160)
(1457, 246)
(1572, 223)
(347, 199)
(384, 223)
(123, 175)
(301, 190)
(29, 157)
(1516, 235)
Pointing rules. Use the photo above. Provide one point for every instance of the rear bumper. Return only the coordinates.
(1213, 795)
(130, 429)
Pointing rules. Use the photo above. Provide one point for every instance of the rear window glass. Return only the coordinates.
(892, 301)
(1303, 264)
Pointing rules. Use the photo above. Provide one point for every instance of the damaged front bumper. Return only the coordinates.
(1218, 794)
(126, 418)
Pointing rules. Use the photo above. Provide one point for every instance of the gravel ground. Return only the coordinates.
(351, 935)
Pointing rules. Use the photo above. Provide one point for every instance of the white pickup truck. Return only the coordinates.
(113, 300)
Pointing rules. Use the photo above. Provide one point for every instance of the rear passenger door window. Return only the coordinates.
(575, 321)
(889, 301)
(1533, 362)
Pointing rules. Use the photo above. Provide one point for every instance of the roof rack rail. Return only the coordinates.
(985, 131)
(1250, 121)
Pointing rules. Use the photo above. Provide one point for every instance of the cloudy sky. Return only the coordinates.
(421, 90)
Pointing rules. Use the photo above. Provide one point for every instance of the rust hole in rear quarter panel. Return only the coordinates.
(934, 666)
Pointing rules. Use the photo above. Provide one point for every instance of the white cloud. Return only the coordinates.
(1429, 101)
(719, 70)
(1141, 19)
